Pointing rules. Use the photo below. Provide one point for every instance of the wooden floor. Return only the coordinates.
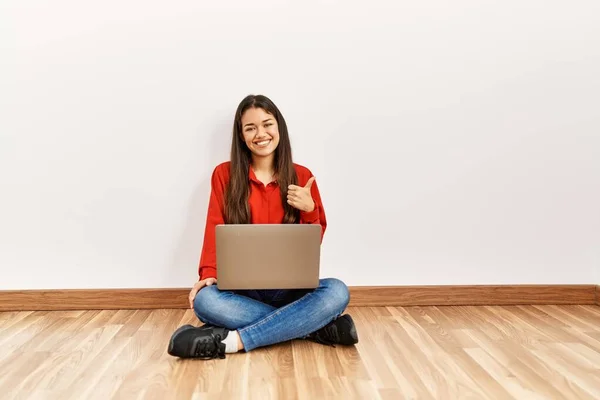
(523, 352)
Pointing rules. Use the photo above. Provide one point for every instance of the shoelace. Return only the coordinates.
(208, 347)
(329, 336)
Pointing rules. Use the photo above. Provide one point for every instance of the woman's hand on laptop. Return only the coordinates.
(197, 286)
(300, 197)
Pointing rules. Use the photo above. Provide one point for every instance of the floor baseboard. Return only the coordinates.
(453, 295)
(370, 296)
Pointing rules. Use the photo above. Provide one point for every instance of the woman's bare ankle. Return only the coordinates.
(240, 345)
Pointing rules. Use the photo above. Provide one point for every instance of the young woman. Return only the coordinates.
(261, 185)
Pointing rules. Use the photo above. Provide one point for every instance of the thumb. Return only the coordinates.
(309, 183)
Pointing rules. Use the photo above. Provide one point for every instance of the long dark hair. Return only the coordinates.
(237, 209)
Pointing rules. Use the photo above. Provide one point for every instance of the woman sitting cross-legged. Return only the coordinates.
(261, 185)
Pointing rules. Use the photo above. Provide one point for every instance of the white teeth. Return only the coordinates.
(263, 143)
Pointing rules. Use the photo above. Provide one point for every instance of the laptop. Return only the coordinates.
(268, 256)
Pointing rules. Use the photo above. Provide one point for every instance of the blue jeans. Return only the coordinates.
(265, 317)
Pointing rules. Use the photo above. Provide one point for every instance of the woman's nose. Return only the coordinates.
(261, 132)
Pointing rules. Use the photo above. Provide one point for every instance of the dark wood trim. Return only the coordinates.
(453, 295)
(598, 295)
(374, 296)
(92, 299)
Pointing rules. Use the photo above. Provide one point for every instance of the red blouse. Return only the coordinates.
(265, 208)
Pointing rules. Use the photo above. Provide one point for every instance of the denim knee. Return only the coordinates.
(338, 295)
(206, 298)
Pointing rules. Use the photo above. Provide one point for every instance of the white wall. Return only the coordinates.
(454, 142)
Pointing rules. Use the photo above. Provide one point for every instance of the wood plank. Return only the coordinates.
(446, 378)
(574, 377)
(10, 318)
(404, 352)
(511, 383)
(444, 339)
(523, 370)
(360, 296)
(149, 375)
(373, 340)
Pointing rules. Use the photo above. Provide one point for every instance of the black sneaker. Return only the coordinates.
(339, 331)
(204, 342)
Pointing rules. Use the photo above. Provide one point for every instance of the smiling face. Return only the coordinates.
(259, 140)
(260, 132)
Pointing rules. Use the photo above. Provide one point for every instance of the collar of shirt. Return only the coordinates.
(253, 178)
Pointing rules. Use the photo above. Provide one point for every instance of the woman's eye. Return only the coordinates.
(269, 124)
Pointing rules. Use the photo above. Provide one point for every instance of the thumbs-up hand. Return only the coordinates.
(299, 197)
